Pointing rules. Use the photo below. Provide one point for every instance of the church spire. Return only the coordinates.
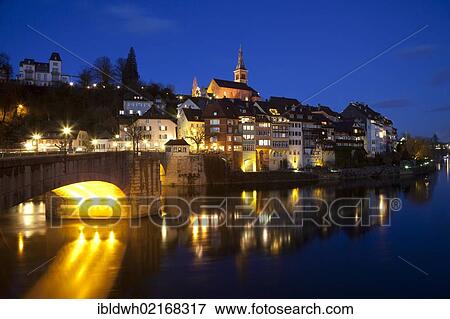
(240, 73)
(240, 63)
(195, 88)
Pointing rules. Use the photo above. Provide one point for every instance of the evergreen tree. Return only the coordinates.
(130, 74)
(5, 66)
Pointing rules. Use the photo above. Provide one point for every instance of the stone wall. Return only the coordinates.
(184, 170)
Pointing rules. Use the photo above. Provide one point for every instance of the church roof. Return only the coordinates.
(234, 85)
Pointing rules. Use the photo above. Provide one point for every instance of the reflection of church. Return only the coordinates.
(237, 89)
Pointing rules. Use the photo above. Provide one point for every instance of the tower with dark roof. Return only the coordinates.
(240, 73)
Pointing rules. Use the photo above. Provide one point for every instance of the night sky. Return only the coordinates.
(291, 48)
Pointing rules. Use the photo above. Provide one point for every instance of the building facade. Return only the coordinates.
(43, 73)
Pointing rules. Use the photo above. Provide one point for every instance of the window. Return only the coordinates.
(163, 137)
(163, 128)
(214, 122)
(148, 128)
(264, 142)
(214, 129)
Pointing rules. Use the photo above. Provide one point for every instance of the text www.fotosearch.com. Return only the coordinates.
(211, 309)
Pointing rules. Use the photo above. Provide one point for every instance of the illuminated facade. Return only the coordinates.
(151, 130)
(191, 127)
(236, 89)
(42, 73)
(380, 134)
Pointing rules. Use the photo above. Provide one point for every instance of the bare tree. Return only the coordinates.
(197, 135)
(85, 77)
(103, 71)
(135, 133)
(119, 69)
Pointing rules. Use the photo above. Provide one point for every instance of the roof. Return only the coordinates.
(281, 100)
(234, 85)
(193, 115)
(41, 67)
(55, 56)
(201, 102)
(228, 108)
(327, 110)
(177, 142)
(155, 113)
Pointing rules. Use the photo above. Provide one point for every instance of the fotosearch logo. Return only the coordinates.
(176, 211)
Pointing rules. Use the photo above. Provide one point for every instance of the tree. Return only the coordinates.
(5, 66)
(197, 135)
(103, 70)
(85, 77)
(119, 70)
(418, 147)
(136, 134)
(130, 75)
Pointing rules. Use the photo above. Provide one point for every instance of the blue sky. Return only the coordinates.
(291, 48)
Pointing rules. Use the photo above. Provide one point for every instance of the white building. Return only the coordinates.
(155, 128)
(295, 155)
(380, 134)
(42, 73)
(134, 104)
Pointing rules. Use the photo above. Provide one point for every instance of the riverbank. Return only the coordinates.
(323, 176)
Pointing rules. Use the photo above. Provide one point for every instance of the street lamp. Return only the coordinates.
(36, 137)
(66, 131)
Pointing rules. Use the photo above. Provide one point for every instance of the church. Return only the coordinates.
(225, 89)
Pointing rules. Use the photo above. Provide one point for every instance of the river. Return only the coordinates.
(399, 253)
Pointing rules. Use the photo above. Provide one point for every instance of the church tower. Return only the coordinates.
(195, 89)
(240, 73)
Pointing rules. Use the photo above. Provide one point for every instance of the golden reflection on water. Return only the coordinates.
(86, 267)
(20, 243)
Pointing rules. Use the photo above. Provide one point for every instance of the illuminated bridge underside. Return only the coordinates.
(104, 200)
(27, 177)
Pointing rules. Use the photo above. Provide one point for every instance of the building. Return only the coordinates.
(178, 147)
(198, 103)
(380, 134)
(279, 134)
(135, 104)
(191, 127)
(236, 89)
(349, 136)
(223, 130)
(43, 73)
(150, 131)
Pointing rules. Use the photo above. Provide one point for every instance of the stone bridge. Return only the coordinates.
(22, 178)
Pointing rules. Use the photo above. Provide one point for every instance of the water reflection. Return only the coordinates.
(85, 267)
(77, 261)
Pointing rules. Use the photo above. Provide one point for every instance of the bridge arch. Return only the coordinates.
(23, 178)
